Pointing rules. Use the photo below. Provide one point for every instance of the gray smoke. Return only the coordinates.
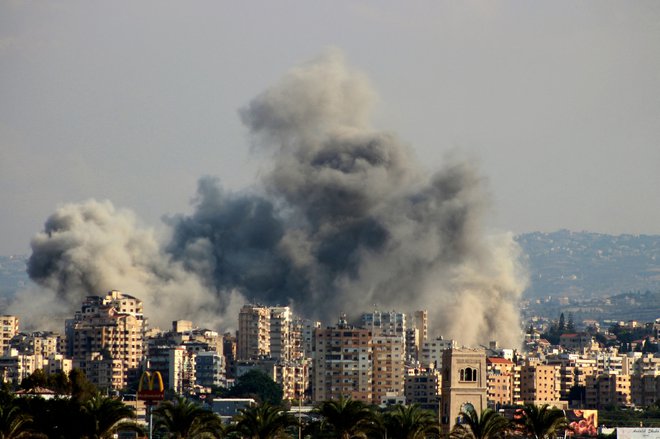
(344, 219)
(92, 248)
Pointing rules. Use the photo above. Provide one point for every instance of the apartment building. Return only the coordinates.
(286, 333)
(388, 367)
(294, 379)
(8, 329)
(413, 344)
(421, 323)
(210, 369)
(422, 386)
(609, 363)
(639, 364)
(105, 339)
(385, 323)
(645, 389)
(179, 352)
(253, 332)
(605, 390)
(500, 377)
(539, 384)
(308, 327)
(38, 343)
(343, 363)
(431, 352)
(573, 371)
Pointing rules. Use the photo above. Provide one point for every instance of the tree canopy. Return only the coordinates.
(258, 385)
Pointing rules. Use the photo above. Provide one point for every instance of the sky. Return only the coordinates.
(558, 103)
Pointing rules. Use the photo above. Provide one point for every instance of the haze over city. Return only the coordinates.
(334, 154)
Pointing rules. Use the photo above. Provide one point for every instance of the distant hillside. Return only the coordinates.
(590, 265)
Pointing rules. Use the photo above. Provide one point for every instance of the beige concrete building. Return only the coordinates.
(343, 363)
(500, 375)
(38, 343)
(604, 390)
(285, 335)
(253, 332)
(431, 352)
(573, 371)
(539, 384)
(8, 329)
(106, 339)
(421, 322)
(294, 379)
(181, 369)
(388, 367)
(464, 384)
(609, 363)
(645, 389)
(385, 322)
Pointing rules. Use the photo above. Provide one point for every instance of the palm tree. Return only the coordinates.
(101, 416)
(182, 418)
(410, 422)
(490, 425)
(542, 422)
(265, 421)
(13, 422)
(346, 418)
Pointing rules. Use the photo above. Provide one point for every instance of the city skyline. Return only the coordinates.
(558, 109)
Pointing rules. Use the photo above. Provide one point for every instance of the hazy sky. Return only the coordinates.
(559, 102)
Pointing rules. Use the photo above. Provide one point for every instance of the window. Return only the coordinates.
(468, 374)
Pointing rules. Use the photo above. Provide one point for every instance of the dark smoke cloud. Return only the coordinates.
(91, 248)
(345, 219)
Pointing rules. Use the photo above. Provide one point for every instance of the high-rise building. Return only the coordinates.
(181, 364)
(253, 332)
(8, 330)
(412, 345)
(385, 323)
(106, 339)
(388, 367)
(282, 341)
(431, 351)
(421, 322)
(210, 369)
(343, 363)
(307, 329)
(464, 384)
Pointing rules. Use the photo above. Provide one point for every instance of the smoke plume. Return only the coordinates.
(92, 248)
(344, 219)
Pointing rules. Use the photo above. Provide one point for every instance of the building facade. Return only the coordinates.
(343, 363)
(106, 339)
(464, 384)
(253, 332)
